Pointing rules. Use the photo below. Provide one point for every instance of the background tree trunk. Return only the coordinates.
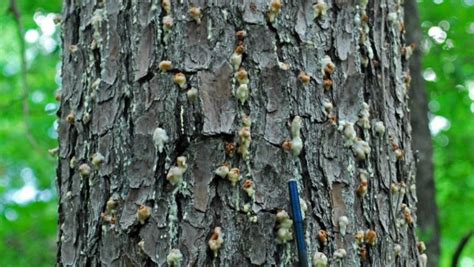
(422, 142)
(114, 97)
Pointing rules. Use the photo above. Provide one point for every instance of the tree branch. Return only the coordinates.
(13, 8)
(460, 247)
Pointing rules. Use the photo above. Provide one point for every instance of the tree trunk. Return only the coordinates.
(142, 149)
(427, 210)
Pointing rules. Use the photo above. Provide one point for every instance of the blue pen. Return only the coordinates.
(298, 222)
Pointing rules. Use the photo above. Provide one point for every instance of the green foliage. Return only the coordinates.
(28, 209)
(31, 237)
(450, 81)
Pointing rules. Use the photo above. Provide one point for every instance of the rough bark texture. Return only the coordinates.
(428, 222)
(114, 97)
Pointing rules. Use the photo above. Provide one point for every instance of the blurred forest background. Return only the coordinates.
(28, 209)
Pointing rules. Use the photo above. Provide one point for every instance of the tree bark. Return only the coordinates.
(125, 126)
(422, 142)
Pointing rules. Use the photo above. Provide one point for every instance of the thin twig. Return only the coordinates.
(13, 8)
(460, 247)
